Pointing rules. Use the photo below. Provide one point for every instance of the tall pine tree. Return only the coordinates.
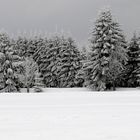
(108, 54)
(133, 62)
(10, 65)
(47, 58)
(70, 63)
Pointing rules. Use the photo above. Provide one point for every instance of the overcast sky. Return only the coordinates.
(70, 15)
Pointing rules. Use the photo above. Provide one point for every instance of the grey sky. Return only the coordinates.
(70, 15)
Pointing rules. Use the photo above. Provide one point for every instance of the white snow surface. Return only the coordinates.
(70, 114)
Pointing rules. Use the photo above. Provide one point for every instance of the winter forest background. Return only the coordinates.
(42, 61)
(80, 64)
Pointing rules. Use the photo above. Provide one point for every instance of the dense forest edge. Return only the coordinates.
(57, 62)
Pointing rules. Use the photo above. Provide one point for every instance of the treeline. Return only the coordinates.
(57, 62)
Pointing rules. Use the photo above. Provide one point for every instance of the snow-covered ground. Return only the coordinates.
(70, 114)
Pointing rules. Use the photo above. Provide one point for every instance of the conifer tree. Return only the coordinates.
(58, 60)
(108, 53)
(133, 62)
(47, 57)
(70, 63)
(80, 76)
(10, 65)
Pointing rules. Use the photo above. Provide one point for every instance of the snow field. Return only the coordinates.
(70, 114)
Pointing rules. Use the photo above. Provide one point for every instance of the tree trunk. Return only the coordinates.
(28, 89)
(114, 87)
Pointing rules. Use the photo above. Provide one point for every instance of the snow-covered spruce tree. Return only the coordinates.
(133, 62)
(70, 63)
(4, 42)
(133, 65)
(54, 59)
(47, 57)
(10, 65)
(80, 76)
(108, 53)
